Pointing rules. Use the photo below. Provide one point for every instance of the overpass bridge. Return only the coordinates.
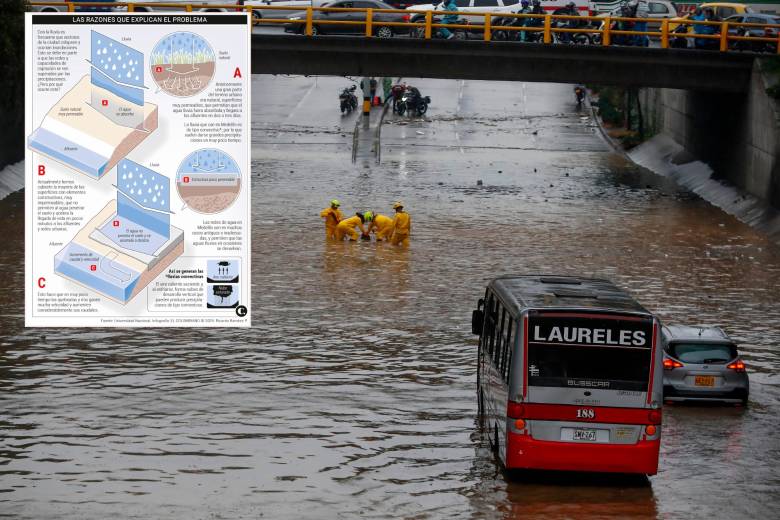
(367, 53)
(504, 61)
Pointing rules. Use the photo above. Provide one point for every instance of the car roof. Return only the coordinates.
(520, 292)
(723, 4)
(695, 333)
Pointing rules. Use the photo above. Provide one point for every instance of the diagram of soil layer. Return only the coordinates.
(101, 119)
(208, 180)
(129, 242)
(182, 64)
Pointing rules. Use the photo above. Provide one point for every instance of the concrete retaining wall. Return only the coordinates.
(737, 135)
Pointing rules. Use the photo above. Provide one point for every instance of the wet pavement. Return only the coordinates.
(353, 395)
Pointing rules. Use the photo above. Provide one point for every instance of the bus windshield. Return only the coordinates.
(577, 350)
(607, 368)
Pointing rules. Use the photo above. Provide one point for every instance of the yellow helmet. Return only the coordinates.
(335, 203)
(368, 216)
(398, 204)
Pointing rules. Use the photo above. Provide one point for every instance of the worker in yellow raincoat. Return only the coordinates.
(402, 226)
(347, 226)
(332, 216)
(382, 227)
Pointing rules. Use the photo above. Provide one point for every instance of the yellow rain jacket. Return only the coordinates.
(382, 226)
(402, 228)
(347, 227)
(332, 218)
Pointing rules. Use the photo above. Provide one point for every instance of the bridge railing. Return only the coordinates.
(600, 30)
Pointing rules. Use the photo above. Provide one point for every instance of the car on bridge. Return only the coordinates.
(469, 6)
(203, 6)
(721, 9)
(323, 21)
(60, 6)
(754, 32)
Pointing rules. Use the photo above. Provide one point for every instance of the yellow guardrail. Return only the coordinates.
(599, 26)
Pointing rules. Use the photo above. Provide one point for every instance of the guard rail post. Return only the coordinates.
(778, 44)
(665, 33)
(488, 30)
(724, 36)
(547, 24)
(308, 30)
(369, 22)
(71, 7)
(130, 8)
(606, 35)
(188, 8)
(428, 20)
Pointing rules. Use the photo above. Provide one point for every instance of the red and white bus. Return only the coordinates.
(570, 375)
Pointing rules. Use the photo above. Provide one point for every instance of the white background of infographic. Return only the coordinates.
(187, 143)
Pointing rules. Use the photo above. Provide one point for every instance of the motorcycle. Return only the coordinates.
(397, 92)
(507, 35)
(436, 32)
(412, 101)
(579, 93)
(348, 100)
(582, 38)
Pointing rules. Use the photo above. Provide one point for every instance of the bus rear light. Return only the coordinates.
(519, 424)
(671, 364)
(650, 430)
(737, 366)
(515, 410)
(654, 417)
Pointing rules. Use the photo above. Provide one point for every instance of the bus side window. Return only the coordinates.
(490, 325)
(506, 356)
(500, 344)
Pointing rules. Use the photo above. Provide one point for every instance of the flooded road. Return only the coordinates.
(353, 395)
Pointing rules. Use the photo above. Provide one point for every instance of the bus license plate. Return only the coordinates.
(704, 381)
(585, 435)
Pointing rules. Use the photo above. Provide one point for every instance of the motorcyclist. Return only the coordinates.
(538, 21)
(525, 8)
(569, 9)
(449, 5)
(639, 9)
(706, 14)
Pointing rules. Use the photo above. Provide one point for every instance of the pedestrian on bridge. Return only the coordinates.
(332, 217)
(402, 226)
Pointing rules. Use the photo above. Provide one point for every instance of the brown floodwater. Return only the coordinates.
(353, 395)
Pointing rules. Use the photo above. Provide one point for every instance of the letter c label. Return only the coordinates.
(42, 282)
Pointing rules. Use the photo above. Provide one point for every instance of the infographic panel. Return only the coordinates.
(138, 164)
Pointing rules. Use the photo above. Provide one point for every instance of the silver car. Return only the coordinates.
(702, 364)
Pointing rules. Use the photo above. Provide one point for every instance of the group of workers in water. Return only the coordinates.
(395, 230)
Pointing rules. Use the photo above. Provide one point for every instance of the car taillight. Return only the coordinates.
(737, 366)
(406, 17)
(670, 364)
(515, 410)
(650, 430)
(654, 417)
(769, 32)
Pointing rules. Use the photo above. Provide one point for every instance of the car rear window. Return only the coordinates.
(703, 352)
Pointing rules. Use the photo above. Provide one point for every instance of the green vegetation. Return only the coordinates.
(12, 80)
(621, 111)
(771, 67)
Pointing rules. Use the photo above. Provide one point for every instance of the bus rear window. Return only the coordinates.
(605, 368)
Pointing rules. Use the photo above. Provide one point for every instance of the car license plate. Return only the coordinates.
(704, 381)
(584, 435)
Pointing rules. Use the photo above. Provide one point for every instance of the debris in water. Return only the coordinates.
(420, 133)
(535, 132)
(500, 171)
(479, 182)
(567, 174)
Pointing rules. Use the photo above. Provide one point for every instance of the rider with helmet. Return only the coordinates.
(449, 5)
(538, 21)
(569, 9)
